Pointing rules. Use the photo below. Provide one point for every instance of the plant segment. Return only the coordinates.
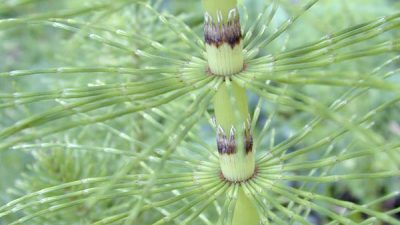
(224, 46)
(146, 118)
(223, 39)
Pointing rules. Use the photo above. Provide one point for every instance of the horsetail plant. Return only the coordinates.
(154, 113)
(224, 46)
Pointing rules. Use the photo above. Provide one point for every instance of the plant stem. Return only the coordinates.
(233, 133)
(223, 37)
(245, 212)
(224, 48)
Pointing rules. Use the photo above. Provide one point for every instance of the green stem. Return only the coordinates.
(224, 46)
(245, 212)
(233, 132)
(223, 37)
(212, 7)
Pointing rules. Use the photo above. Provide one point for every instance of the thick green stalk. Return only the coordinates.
(233, 133)
(245, 212)
(224, 46)
(223, 37)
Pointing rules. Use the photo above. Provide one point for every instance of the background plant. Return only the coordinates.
(106, 113)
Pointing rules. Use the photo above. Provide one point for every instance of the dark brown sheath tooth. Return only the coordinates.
(248, 141)
(219, 33)
(228, 146)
